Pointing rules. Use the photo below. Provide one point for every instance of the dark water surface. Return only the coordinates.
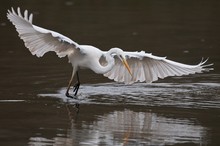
(174, 111)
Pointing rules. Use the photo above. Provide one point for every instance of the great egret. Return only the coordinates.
(144, 67)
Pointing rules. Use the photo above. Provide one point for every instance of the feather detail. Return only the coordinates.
(39, 40)
(146, 67)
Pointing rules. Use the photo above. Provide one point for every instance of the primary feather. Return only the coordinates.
(148, 68)
(39, 40)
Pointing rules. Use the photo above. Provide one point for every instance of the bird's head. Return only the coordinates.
(121, 55)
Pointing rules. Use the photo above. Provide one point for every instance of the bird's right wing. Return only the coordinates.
(146, 67)
(39, 40)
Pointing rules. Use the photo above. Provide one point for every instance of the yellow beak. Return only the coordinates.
(127, 66)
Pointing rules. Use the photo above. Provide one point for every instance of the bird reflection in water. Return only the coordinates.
(72, 111)
(136, 128)
(125, 127)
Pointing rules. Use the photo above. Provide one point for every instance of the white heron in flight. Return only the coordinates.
(116, 64)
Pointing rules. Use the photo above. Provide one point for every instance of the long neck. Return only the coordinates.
(110, 62)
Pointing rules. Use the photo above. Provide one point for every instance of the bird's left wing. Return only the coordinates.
(39, 40)
(146, 67)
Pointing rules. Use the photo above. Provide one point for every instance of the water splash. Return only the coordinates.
(185, 95)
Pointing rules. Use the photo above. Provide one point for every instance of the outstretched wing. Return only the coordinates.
(39, 40)
(146, 67)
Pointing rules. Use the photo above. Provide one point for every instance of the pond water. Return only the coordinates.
(173, 111)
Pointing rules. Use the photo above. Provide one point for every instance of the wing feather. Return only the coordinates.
(39, 40)
(146, 67)
(147, 73)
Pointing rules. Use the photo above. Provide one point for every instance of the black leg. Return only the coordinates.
(76, 86)
(68, 95)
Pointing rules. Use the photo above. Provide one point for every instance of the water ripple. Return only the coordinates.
(185, 95)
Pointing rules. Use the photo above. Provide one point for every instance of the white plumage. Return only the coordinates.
(121, 66)
(146, 67)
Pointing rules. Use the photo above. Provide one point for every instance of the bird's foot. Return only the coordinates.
(69, 96)
(76, 88)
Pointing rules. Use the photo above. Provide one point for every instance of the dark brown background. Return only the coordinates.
(183, 110)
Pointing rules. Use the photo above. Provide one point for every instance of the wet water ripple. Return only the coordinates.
(184, 95)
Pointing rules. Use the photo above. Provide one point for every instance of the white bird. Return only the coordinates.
(143, 67)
